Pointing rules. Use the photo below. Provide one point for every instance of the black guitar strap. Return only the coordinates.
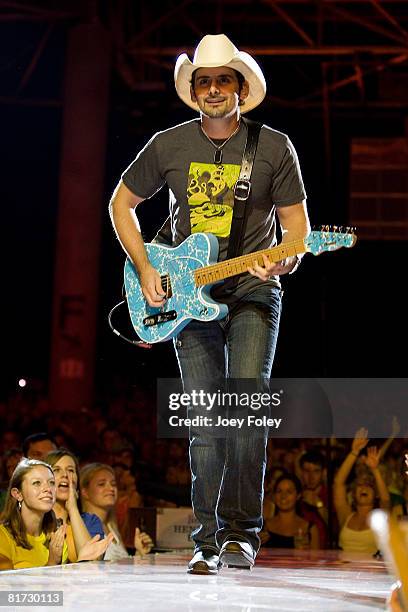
(242, 200)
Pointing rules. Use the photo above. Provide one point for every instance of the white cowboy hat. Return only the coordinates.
(216, 50)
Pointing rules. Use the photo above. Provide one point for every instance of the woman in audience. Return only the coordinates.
(10, 459)
(99, 494)
(29, 536)
(355, 533)
(178, 471)
(287, 529)
(80, 528)
(128, 495)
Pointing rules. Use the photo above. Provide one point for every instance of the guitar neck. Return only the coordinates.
(239, 265)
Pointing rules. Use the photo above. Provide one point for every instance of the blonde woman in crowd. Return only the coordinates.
(99, 494)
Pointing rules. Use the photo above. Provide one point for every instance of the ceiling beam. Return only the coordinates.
(290, 21)
(289, 50)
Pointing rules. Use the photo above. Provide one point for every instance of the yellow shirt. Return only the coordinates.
(18, 557)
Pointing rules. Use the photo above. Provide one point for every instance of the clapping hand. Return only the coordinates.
(95, 548)
(143, 542)
(360, 440)
(56, 545)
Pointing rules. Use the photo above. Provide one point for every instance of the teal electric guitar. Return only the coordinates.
(189, 270)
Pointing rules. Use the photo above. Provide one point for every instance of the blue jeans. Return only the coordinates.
(228, 472)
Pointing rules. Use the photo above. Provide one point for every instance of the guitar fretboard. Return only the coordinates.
(239, 265)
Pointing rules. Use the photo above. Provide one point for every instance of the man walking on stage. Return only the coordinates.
(200, 162)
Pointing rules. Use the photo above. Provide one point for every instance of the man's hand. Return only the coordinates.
(270, 269)
(151, 286)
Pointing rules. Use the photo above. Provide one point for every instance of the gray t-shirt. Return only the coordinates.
(202, 193)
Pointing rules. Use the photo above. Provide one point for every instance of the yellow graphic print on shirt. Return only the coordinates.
(210, 196)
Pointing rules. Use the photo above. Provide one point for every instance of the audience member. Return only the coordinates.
(38, 445)
(126, 456)
(269, 507)
(314, 503)
(99, 494)
(10, 460)
(312, 477)
(287, 529)
(9, 439)
(178, 472)
(355, 532)
(80, 528)
(128, 495)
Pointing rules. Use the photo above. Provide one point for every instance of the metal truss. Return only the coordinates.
(313, 52)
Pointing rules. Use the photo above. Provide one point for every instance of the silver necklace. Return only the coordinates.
(219, 148)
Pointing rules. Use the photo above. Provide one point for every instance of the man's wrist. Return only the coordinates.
(354, 453)
(298, 259)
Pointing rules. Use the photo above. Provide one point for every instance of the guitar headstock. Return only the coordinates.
(330, 238)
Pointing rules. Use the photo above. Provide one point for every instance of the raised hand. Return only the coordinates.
(373, 457)
(360, 440)
(143, 542)
(72, 501)
(95, 548)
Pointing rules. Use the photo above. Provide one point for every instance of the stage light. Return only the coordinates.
(22, 383)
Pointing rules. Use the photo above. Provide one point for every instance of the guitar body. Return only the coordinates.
(187, 301)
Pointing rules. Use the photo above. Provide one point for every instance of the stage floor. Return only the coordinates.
(282, 580)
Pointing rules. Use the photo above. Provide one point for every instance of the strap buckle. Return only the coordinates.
(242, 189)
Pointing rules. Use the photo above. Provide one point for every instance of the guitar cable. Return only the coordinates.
(138, 343)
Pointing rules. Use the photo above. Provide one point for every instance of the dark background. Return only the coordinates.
(344, 312)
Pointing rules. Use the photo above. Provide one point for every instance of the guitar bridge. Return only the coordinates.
(160, 317)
